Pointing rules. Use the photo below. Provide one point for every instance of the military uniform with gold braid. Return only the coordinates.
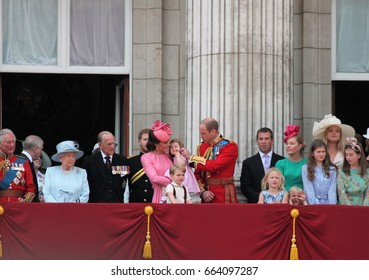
(214, 165)
(140, 187)
(16, 180)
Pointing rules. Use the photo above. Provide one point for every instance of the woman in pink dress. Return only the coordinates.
(157, 161)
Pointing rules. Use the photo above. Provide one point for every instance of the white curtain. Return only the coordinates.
(30, 32)
(352, 30)
(97, 33)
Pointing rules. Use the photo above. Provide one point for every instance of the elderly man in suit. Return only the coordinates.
(32, 150)
(106, 171)
(253, 168)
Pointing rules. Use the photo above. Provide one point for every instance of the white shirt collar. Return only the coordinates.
(104, 155)
(269, 154)
(28, 155)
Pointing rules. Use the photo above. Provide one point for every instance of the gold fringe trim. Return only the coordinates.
(147, 253)
(294, 254)
(198, 159)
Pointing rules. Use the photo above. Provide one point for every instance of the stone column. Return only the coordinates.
(312, 55)
(239, 69)
(158, 65)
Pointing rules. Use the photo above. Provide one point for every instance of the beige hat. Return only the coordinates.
(329, 120)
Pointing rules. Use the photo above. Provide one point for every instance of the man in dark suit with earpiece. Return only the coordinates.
(253, 168)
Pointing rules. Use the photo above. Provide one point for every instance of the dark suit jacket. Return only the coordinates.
(101, 181)
(140, 187)
(252, 174)
(35, 199)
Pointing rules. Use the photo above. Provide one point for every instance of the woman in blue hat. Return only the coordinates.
(66, 182)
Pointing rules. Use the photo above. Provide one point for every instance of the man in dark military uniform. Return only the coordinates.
(139, 186)
(16, 180)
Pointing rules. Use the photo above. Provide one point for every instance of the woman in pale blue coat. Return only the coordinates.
(66, 182)
(320, 175)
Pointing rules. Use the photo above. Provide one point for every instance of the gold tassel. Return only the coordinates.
(294, 254)
(147, 254)
(1, 245)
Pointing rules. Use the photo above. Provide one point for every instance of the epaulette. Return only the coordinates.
(22, 156)
(227, 140)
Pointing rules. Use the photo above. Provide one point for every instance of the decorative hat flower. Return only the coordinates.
(291, 130)
(162, 131)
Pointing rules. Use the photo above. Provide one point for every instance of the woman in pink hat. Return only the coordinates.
(292, 165)
(157, 161)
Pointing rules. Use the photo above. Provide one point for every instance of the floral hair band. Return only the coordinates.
(352, 143)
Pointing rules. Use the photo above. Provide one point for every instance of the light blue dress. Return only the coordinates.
(291, 171)
(269, 198)
(61, 186)
(323, 189)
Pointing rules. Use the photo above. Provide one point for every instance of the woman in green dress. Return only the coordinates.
(353, 178)
(291, 166)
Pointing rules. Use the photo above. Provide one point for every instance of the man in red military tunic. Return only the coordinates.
(214, 164)
(16, 180)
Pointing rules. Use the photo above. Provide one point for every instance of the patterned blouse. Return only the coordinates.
(270, 198)
(353, 189)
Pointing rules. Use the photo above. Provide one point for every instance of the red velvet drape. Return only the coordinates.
(197, 231)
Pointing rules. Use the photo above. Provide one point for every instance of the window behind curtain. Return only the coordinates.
(352, 34)
(30, 32)
(97, 33)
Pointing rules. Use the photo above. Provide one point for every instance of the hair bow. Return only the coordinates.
(353, 144)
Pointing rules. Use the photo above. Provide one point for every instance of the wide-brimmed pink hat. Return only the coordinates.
(162, 131)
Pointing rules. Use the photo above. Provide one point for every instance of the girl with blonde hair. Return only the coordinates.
(272, 188)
